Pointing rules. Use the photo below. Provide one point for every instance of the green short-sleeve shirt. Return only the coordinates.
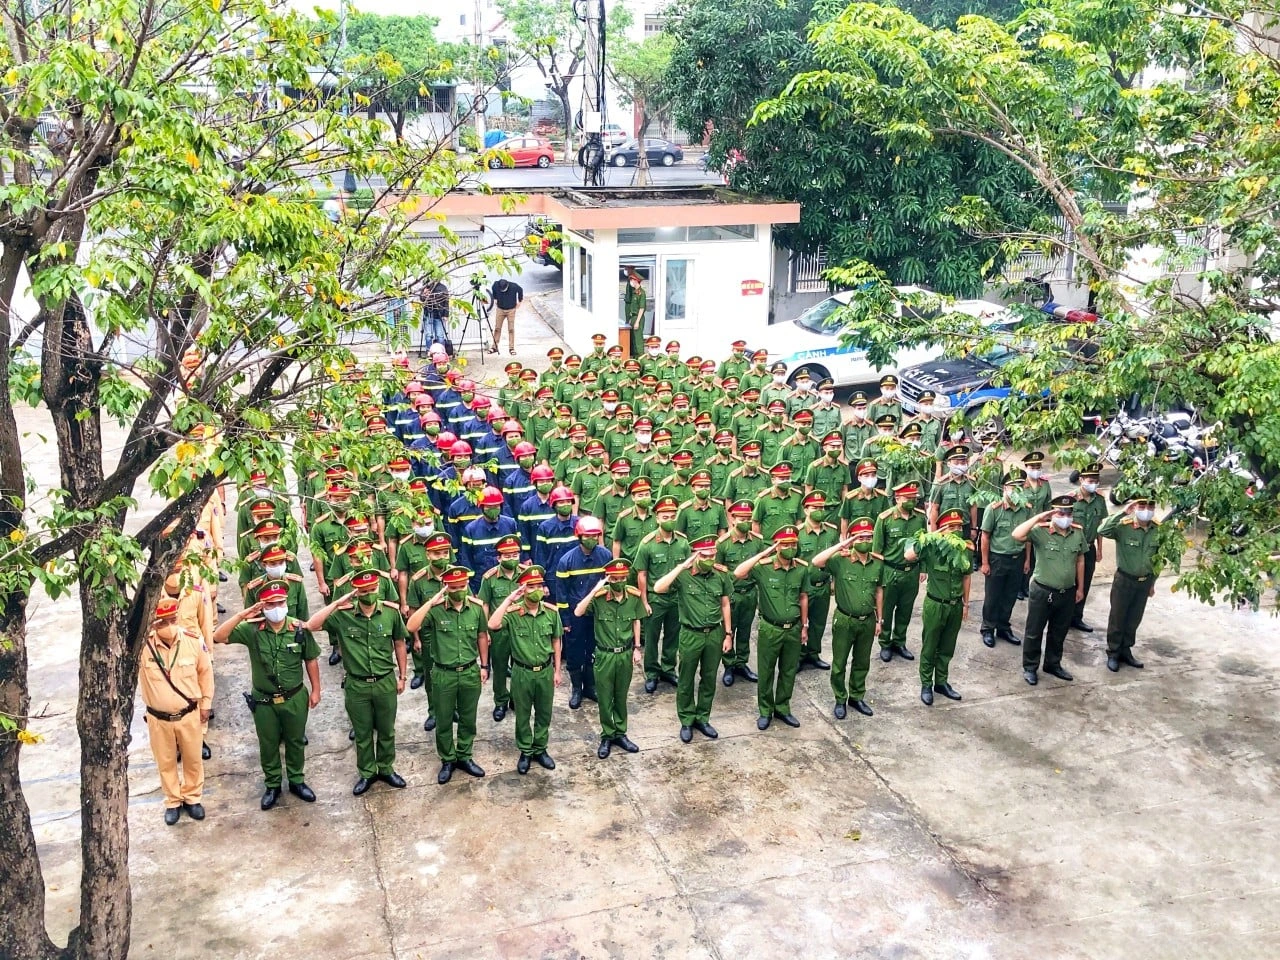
(614, 619)
(778, 590)
(533, 634)
(696, 521)
(773, 511)
(999, 522)
(812, 543)
(657, 558)
(892, 531)
(1136, 546)
(630, 529)
(1089, 513)
(731, 552)
(368, 643)
(1056, 555)
(855, 584)
(950, 494)
(454, 634)
(275, 652)
(698, 596)
(945, 581)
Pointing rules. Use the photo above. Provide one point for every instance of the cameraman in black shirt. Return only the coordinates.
(507, 297)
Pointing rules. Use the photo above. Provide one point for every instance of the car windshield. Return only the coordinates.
(821, 317)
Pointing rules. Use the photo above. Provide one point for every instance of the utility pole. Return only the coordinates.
(478, 101)
(593, 94)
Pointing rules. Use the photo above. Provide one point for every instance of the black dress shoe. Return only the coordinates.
(522, 765)
(686, 734)
(415, 683)
(393, 779)
(988, 638)
(728, 676)
(575, 700)
(429, 724)
(205, 752)
(926, 696)
(269, 797)
(499, 713)
(1030, 677)
(788, 719)
(862, 708)
(625, 743)
(362, 786)
(222, 576)
(651, 685)
(1022, 595)
(904, 653)
(335, 657)
(819, 664)
(351, 734)
(470, 768)
(171, 816)
(1081, 626)
(947, 690)
(544, 758)
(1008, 636)
(747, 674)
(221, 609)
(589, 693)
(445, 774)
(706, 729)
(306, 741)
(841, 711)
(605, 748)
(194, 810)
(762, 723)
(671, 678)
(886, 654)
(1058, 672)
(1128, 659)
(1113, 664)
(302, 792)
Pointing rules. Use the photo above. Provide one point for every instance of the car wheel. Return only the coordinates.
(816, 374)
(544, 161)
(668, 159)
(619, 160)
(988, 432)
(495, 163)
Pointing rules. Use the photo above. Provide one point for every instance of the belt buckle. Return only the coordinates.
(537, 669)
(369, 679)
(787, 626)
(277, 698)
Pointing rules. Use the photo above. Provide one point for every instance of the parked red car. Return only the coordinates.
(525, 151)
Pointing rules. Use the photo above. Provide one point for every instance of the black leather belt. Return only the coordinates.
(530, 667)
(276, 698)
(949, 603)
(853, 616)
(170, 717)
(457, 668)
(371, 679)
(1136, 579)
(685, 626)
(907, 569)
(1053, 589)
(781, 626)
(622, 649)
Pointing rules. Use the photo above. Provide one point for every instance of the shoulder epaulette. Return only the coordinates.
(633, 591)
(392, 603)
(474, 599)
(344, 578)
(552, 607)
(419, 574)
(250, 557)
(720, 566)
(886, 513)
(648, 536)
(296, 577)
(803, 563)
(254, 582)
(877, 556)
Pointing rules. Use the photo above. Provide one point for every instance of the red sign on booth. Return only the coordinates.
(752, 288)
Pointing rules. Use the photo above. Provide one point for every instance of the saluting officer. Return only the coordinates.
(281, 649)
(1003, 559)
(372, 635)
(1089, 511)
(738, 545)
(275, 565)
(894, 529)
(946, 606)
(616, 610)
(453, 623)
(659, 553)
(494, 587)
(1055, 584)
(1138, 538)
(857, 574)
(816, 535)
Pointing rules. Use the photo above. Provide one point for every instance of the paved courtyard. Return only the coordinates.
(1129, 815)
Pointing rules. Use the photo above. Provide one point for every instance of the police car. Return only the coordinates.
(812, 341)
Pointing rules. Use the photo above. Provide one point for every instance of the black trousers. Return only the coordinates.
(1090, 561)
(1128, 604)
(1002, 587)
(1052, 609)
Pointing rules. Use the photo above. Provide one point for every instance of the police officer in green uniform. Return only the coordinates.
(735, 547)
(702, 589)
(866, 499)
(800, 449)
(660, 552)
(894, 529)
(616, 497)
(373, 650)
(1003, 559)
(829, 473)
(737, 363)
(496, 583)
(701, 516)
(635, 522)
(425, 583)
(816, 535)
(1055, 584)
(329, 535)
(1138, 538)
(748, 481)
(955, 491)
(857, 574)
(536, 631)
(721, 463)
(826, 412)
(887, 404)
(410, 558)
(773, 433)
(1090, 510)
(858, 428)
(946, 601)
(275, 565)
(1039, 493)
(454, 625)
(784, 613)
(781, 506)
(617, 611)
(280, 648)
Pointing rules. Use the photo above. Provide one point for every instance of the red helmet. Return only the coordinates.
(496, 414)
(430, 417)
(526, 449)
(541, 472)
(473, 475)
(491, 497)
(460, 448)
(465, 386)
(588, 527)
(512, 426)
(481, 402)
(445, 441)
(560, 494)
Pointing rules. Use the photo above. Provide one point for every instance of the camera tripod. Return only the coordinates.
(478, 316)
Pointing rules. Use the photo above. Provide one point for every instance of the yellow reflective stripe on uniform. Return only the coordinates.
(584, 571)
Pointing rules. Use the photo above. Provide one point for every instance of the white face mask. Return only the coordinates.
(915, 442)
(275, 614)
(889, 392)
(1144, 514)
(925, 410)
(779, 378)
(959, 469)
(1035, 474)
(275, 570)
(956, 435)
(653, 351)
(859, 413)
(868, 483)
(399, 476)
(1062, 523)
(826, 396)
(610, 407)
(424, 531)
(643, 438)
(262, 493)
(1089, 486)
(804, 384)
(884, 433)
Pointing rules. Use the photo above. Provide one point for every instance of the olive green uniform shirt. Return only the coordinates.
(631, 529)
(698, 596)
(368, 643)
(1056, 555)
(533, 634)
(999, 522)
(778, 590)
(1089, 513)
(613, 619)
(812, 543)
(1135, 546)
(705, 518)
(657, 558)
(275, 653)
(893, 532)
(945, 581)
(855, 584)
(773, 511)
(731, 553)
(454, 634)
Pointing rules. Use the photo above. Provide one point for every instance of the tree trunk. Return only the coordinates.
(22, 933)
(563, 97)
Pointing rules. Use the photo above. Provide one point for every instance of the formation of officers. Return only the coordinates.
(608, 517)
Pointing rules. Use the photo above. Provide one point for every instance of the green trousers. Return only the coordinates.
(422, 665)
(851, 642)
(665, 623)
(285, 723)
(777, 658)
(819, 611)
(372, 710)
(531, 696)
(500, 667)
(901, 587)
(941, 622)
(699, 660)
(1128, 605)
(613, 681)
(456, 694)
(742, 614)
